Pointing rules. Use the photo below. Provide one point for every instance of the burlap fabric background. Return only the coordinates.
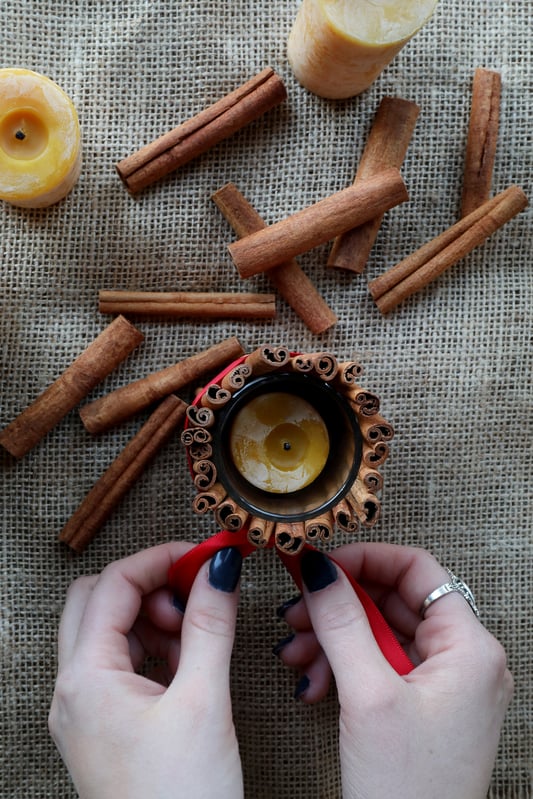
(452, 365)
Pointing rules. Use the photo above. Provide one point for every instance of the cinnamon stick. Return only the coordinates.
(260, 532)
(386, 147)
(230, 515)
(365, 505)
(267, 359)
(109, 349)
(288, 278)
(290, 537)
(482, 139)
(188, 304)
(345, 518)
(320, 528)
(209, 500)
(318, 223)
(203, 131)
(122, 404)
(427, 263)
(117, 480)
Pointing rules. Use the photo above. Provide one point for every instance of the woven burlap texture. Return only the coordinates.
(452, 365)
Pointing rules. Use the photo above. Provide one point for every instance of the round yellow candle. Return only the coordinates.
(40, 142)
(337, 48)
(279, 442)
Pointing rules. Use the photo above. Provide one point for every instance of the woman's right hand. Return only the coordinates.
(432, 732)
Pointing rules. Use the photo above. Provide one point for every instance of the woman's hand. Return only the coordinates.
(165, 734)
(434, 730)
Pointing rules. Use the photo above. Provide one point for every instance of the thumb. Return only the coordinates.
(208, 628)
(341, 626)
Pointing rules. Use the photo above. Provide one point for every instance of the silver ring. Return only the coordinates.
(455, 584)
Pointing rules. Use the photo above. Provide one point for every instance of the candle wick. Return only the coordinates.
(20, 135)
(286, 446)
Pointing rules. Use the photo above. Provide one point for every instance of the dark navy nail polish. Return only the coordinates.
(178, 604)
(225, 569)
(276, 650)
(301, 686)
(318, 571)
(281, 611)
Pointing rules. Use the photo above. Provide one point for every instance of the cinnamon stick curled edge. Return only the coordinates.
(125, 402)
(197, 135)
(191, 304)
(318, 223)
(288, 278)
(432, 259)
(105, 353)
(386, 147)
(117, 480)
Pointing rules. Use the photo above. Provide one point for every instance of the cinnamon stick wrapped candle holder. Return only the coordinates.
(286, 447)
(282, 448)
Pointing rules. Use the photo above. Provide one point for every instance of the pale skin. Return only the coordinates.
(123, 734)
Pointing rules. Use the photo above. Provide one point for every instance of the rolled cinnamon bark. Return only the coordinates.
(375, 455)
(215, 397)
(290, 537)
(348, 374)
(230, 515)
(260, 532)
(345, 517)
(267, 359)
(278, 243)
(125, 470)
(482, 139)
(205, 474)
(188, 304)
(109, 349)
(291, 282)
(320, 528)
(386, 147)
(203, 131)
(432, 259)
(125, 402)
(209, 500)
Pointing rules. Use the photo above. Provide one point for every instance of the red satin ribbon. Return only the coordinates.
(182, 574)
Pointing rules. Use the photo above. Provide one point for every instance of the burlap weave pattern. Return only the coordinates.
(452, 365)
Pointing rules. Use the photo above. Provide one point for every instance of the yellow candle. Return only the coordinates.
(337, 48)
(40, 151)
(279, 442)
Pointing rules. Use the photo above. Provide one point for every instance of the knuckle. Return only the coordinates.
(340, 615)
(210, 619)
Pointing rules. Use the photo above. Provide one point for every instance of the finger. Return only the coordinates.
(314, 684)
(414, 573)
(294, 612)
(297, 650)
(208, 628)
(164, 610)
(77, 597)
(411, 571)
(342, 628)
(147, 641)
(116, 600)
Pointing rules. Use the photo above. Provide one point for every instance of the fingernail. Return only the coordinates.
(301, 686)
(281, 611)
(225, 569)
(276, 650)
(317, 570)
(178, 604)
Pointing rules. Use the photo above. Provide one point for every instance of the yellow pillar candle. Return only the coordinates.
(337, 48)
(40, 151)
(279, 442)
